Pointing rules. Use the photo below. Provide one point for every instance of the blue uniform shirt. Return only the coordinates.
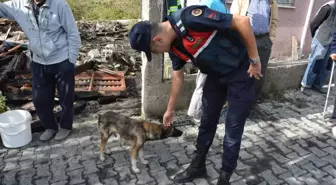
(259, 12)
(218, 5)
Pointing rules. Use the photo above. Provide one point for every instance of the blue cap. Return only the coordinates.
(140, 37)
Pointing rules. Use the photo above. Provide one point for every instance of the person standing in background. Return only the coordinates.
(195, 107)
(333, 57)
(54, 41)
(322, 27)
(264, 21)
(173, 6)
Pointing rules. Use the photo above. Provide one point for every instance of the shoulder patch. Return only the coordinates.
(196, 12)
(211, 14)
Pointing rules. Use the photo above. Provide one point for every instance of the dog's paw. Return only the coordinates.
(135, 170)
(144, 161)
(102, 157)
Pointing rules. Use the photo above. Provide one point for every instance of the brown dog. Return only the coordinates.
(136, 131)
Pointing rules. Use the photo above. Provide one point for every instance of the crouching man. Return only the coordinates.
(54, 41)
(222, 46)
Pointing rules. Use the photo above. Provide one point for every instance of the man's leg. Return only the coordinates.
(238, 112)
(333, 116)
(241, 96)
(214, 95)
(65, 79)
(43, 98)
(322, 73)
(264, 45)
(310, 72)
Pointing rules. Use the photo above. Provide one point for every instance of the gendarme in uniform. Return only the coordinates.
(205, 39)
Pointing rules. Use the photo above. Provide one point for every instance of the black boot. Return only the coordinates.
(195, 170)
(224, 178)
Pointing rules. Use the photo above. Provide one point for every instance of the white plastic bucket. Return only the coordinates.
(15, 128)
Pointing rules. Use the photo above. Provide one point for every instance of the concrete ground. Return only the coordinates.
(286, 143)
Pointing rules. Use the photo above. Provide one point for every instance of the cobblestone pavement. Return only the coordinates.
(286, 143)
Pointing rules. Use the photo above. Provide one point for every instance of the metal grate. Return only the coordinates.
(100, 81)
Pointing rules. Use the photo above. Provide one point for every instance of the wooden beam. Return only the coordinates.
(295, 54)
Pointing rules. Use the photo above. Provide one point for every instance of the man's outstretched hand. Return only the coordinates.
(255, 71)
(333, 57)
(168, 118)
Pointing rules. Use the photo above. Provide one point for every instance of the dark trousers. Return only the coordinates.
(46, 78)
(264, 45)
(333, 116)
(239, 90)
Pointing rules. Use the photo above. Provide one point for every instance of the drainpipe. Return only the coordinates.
(305, 27)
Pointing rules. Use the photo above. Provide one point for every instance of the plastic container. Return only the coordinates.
(15, 128)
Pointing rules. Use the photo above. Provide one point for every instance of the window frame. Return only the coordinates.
(290, 3)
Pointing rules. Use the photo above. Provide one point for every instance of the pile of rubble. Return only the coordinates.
(103, 42)
(105, 68)
(12, 32)
(92, 83)
(107, 43)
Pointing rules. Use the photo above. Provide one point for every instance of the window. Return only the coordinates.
(280, 2)
(286, 2)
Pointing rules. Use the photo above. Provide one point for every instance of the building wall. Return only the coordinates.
(291, 23)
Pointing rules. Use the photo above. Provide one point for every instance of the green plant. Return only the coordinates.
(3, 106)
(105, 9)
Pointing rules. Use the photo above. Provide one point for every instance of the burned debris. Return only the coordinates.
(105, 65)
(107, 43)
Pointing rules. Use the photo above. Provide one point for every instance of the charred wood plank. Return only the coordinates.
(84, 67)
(107, 99)
(121, 32)
(10, 51)
(29, 107)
